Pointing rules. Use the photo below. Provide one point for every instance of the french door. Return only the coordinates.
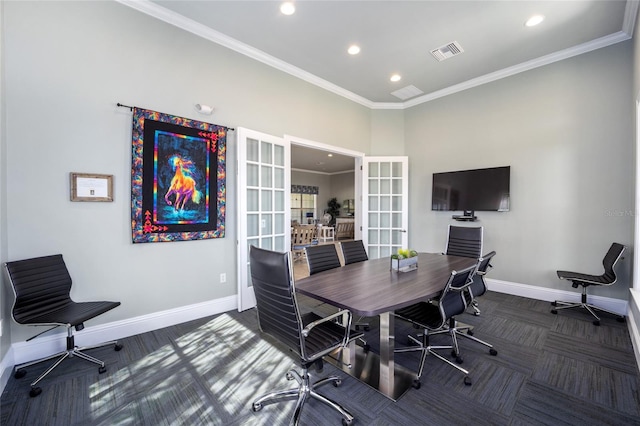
(385, 189)
(264, 187)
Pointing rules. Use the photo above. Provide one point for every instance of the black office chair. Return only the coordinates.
(322, 258)
(42, 286)
(578, 279)
(477, 288)
(436, 317)
(353, 252)
(309, 336)
(464, 241)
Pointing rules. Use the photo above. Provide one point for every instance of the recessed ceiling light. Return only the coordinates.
(395, 77)
(329, 155)
(287, 8)
(354, 49)
(534, 20)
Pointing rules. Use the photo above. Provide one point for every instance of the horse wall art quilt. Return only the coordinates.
(177, 178)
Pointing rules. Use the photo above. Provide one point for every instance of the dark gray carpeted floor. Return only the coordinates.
(550, 370)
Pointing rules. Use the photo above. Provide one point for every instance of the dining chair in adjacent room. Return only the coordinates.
(42, 289)
(465, 241)
(308, 337)
(609, 277)
(435, 317)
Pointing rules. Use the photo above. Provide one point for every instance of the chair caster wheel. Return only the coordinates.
(470, 332)
(596, 322)
(346, 422)
(459, 360)
(20, 373)
(416, 384)
(117, 347)
(467, 381)
(366, 348)
(256, 407)
(102, 369)
(476, 314)
(337, 383)
(493, 352)
(554, 304)
(621, 319)
(35, 392)
(553, 311)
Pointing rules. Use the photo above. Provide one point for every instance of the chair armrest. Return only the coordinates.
(307, 329)
(347, 327)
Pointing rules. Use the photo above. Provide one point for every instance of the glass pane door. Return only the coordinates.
(263, 202)
(385, 189)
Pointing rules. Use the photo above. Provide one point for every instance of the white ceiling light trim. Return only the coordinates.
(288, 8)
(534, 20)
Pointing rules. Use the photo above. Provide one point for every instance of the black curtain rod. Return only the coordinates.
(131, 109)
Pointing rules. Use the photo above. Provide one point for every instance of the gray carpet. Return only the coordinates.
(550, 370)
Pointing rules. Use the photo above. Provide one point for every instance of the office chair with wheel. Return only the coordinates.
(465, 241)
(322, 258)
(309, 337)
(353, 252)
(41, 287)
(578, 279)
(436, 317)
(477, 288)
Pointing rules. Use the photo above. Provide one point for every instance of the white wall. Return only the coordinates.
(566, 131)
(67, 65)
(565, 128)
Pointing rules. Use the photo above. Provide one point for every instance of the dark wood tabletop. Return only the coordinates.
(370, 288)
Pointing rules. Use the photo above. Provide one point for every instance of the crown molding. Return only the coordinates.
(525, 66)
(152, 9)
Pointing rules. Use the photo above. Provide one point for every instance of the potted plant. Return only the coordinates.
(405, 260)
(333, 208)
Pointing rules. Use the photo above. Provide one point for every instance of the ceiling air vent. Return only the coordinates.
(447, 51)
(407, 92)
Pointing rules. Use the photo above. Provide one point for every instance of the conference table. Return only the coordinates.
(372, 288)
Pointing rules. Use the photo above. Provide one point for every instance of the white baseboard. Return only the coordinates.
(549, 294)
(21, 352)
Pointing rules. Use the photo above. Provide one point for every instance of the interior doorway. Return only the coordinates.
(321, 163)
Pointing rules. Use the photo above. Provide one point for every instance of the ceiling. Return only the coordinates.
(397, 37)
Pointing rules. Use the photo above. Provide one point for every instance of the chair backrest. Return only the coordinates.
(302, 235)
(464, 241)
(272, 279)
(322, 258)
(452, 301)
(479, 287)
(609, 262)
(41, 285)
(353, 251)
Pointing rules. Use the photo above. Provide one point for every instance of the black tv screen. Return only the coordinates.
(472, 190)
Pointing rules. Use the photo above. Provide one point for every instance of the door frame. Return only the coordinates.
(358, 157)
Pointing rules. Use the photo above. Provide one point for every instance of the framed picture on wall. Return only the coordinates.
(91, 187)
(178, 178)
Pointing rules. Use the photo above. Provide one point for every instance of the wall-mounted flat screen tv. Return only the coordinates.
(472, 190)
